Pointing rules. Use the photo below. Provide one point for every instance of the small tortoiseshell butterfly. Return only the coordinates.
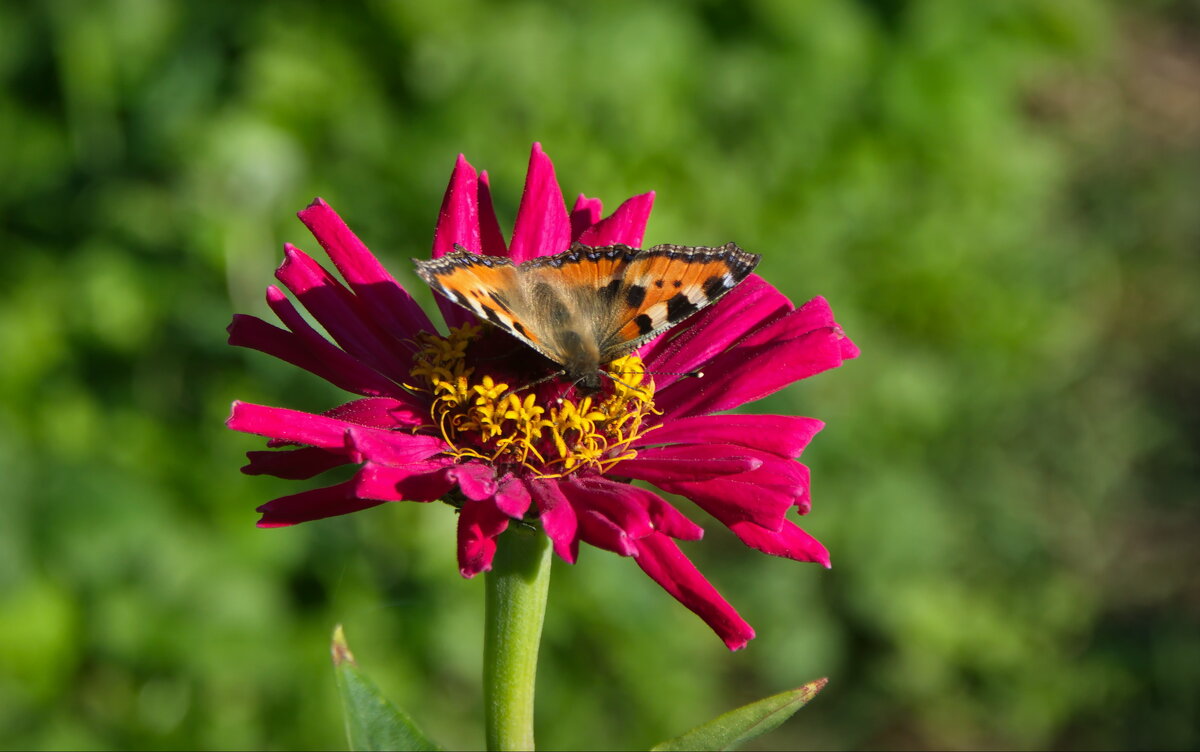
(585, 307)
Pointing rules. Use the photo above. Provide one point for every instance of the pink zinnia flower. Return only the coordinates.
(454, 417)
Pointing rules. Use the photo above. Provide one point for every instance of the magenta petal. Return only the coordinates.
(746, 374)
(813, 315)
(382, 412)
(476, 480)
(789, 542)
(664, 518)
(289, 425)
(392, 447)
(659, 557)
(458, 224)
(321, 347)
(585, 214)
(389, 304)
(512, 497)
(756, 497)
(458, 219)
(626, 225)
(784, 435)
(614, 502)
(417, 481)
(293, 464)
(542, 225)
(558, 518)
(316, 504)
(479, 522)
(490, 237)
(850, 350)
(686, 462)
(336, 309)
(602, 532)
(327, 362)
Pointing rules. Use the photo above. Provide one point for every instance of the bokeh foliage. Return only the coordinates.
(998, 198)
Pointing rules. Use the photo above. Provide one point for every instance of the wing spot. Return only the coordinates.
(714, 286)
(635, 295)
(608, 293)
(644, 324)
(678, 283)
(658, 283)
(680, 307)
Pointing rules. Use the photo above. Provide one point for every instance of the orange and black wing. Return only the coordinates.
(663, 285)
(486, 286)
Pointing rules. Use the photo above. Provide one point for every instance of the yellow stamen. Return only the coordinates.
(482, 419)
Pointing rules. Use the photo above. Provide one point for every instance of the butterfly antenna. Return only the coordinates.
(542, 380)
(683, 374)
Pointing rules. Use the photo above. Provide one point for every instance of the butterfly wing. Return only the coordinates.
(488, 287)
(663, 285)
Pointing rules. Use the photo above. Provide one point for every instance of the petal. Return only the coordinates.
(316, 504)
(417, 481)
(458, 224)
(389, 305)
(602, 532)
(558, 518)
(789, 542)
(659, 557)
(585, 214)
(762, 496)
(611, 505)
(289, 425)
(813, 315)
(293, 464)
(513, 497)
(382, 412)
(476, 480)
(458, 219)
(686, 463)
(490, 237)
(325, 361)
(542, 225)
(664, 518)
(746, 374)
(281, 424)
(626, 225)
(784, 435)
(342, 315)
(479, 522)
(392, 447)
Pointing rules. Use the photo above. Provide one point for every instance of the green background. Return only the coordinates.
(999, 199)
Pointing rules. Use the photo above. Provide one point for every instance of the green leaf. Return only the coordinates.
(741, 725)
(372, 723)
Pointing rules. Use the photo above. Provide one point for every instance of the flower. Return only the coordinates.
(470, 418)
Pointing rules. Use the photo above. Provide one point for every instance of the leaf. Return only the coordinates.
(730, 730)
(372, 723)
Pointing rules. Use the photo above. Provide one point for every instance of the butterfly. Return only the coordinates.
(585, 307)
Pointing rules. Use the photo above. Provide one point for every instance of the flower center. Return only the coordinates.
(482, 416)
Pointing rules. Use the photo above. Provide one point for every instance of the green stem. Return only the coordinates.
(516, 605)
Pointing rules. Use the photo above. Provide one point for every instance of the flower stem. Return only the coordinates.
(515, 607)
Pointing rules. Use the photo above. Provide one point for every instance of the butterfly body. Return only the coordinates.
(585, 307)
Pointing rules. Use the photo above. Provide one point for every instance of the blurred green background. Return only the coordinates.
(1000, 200)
